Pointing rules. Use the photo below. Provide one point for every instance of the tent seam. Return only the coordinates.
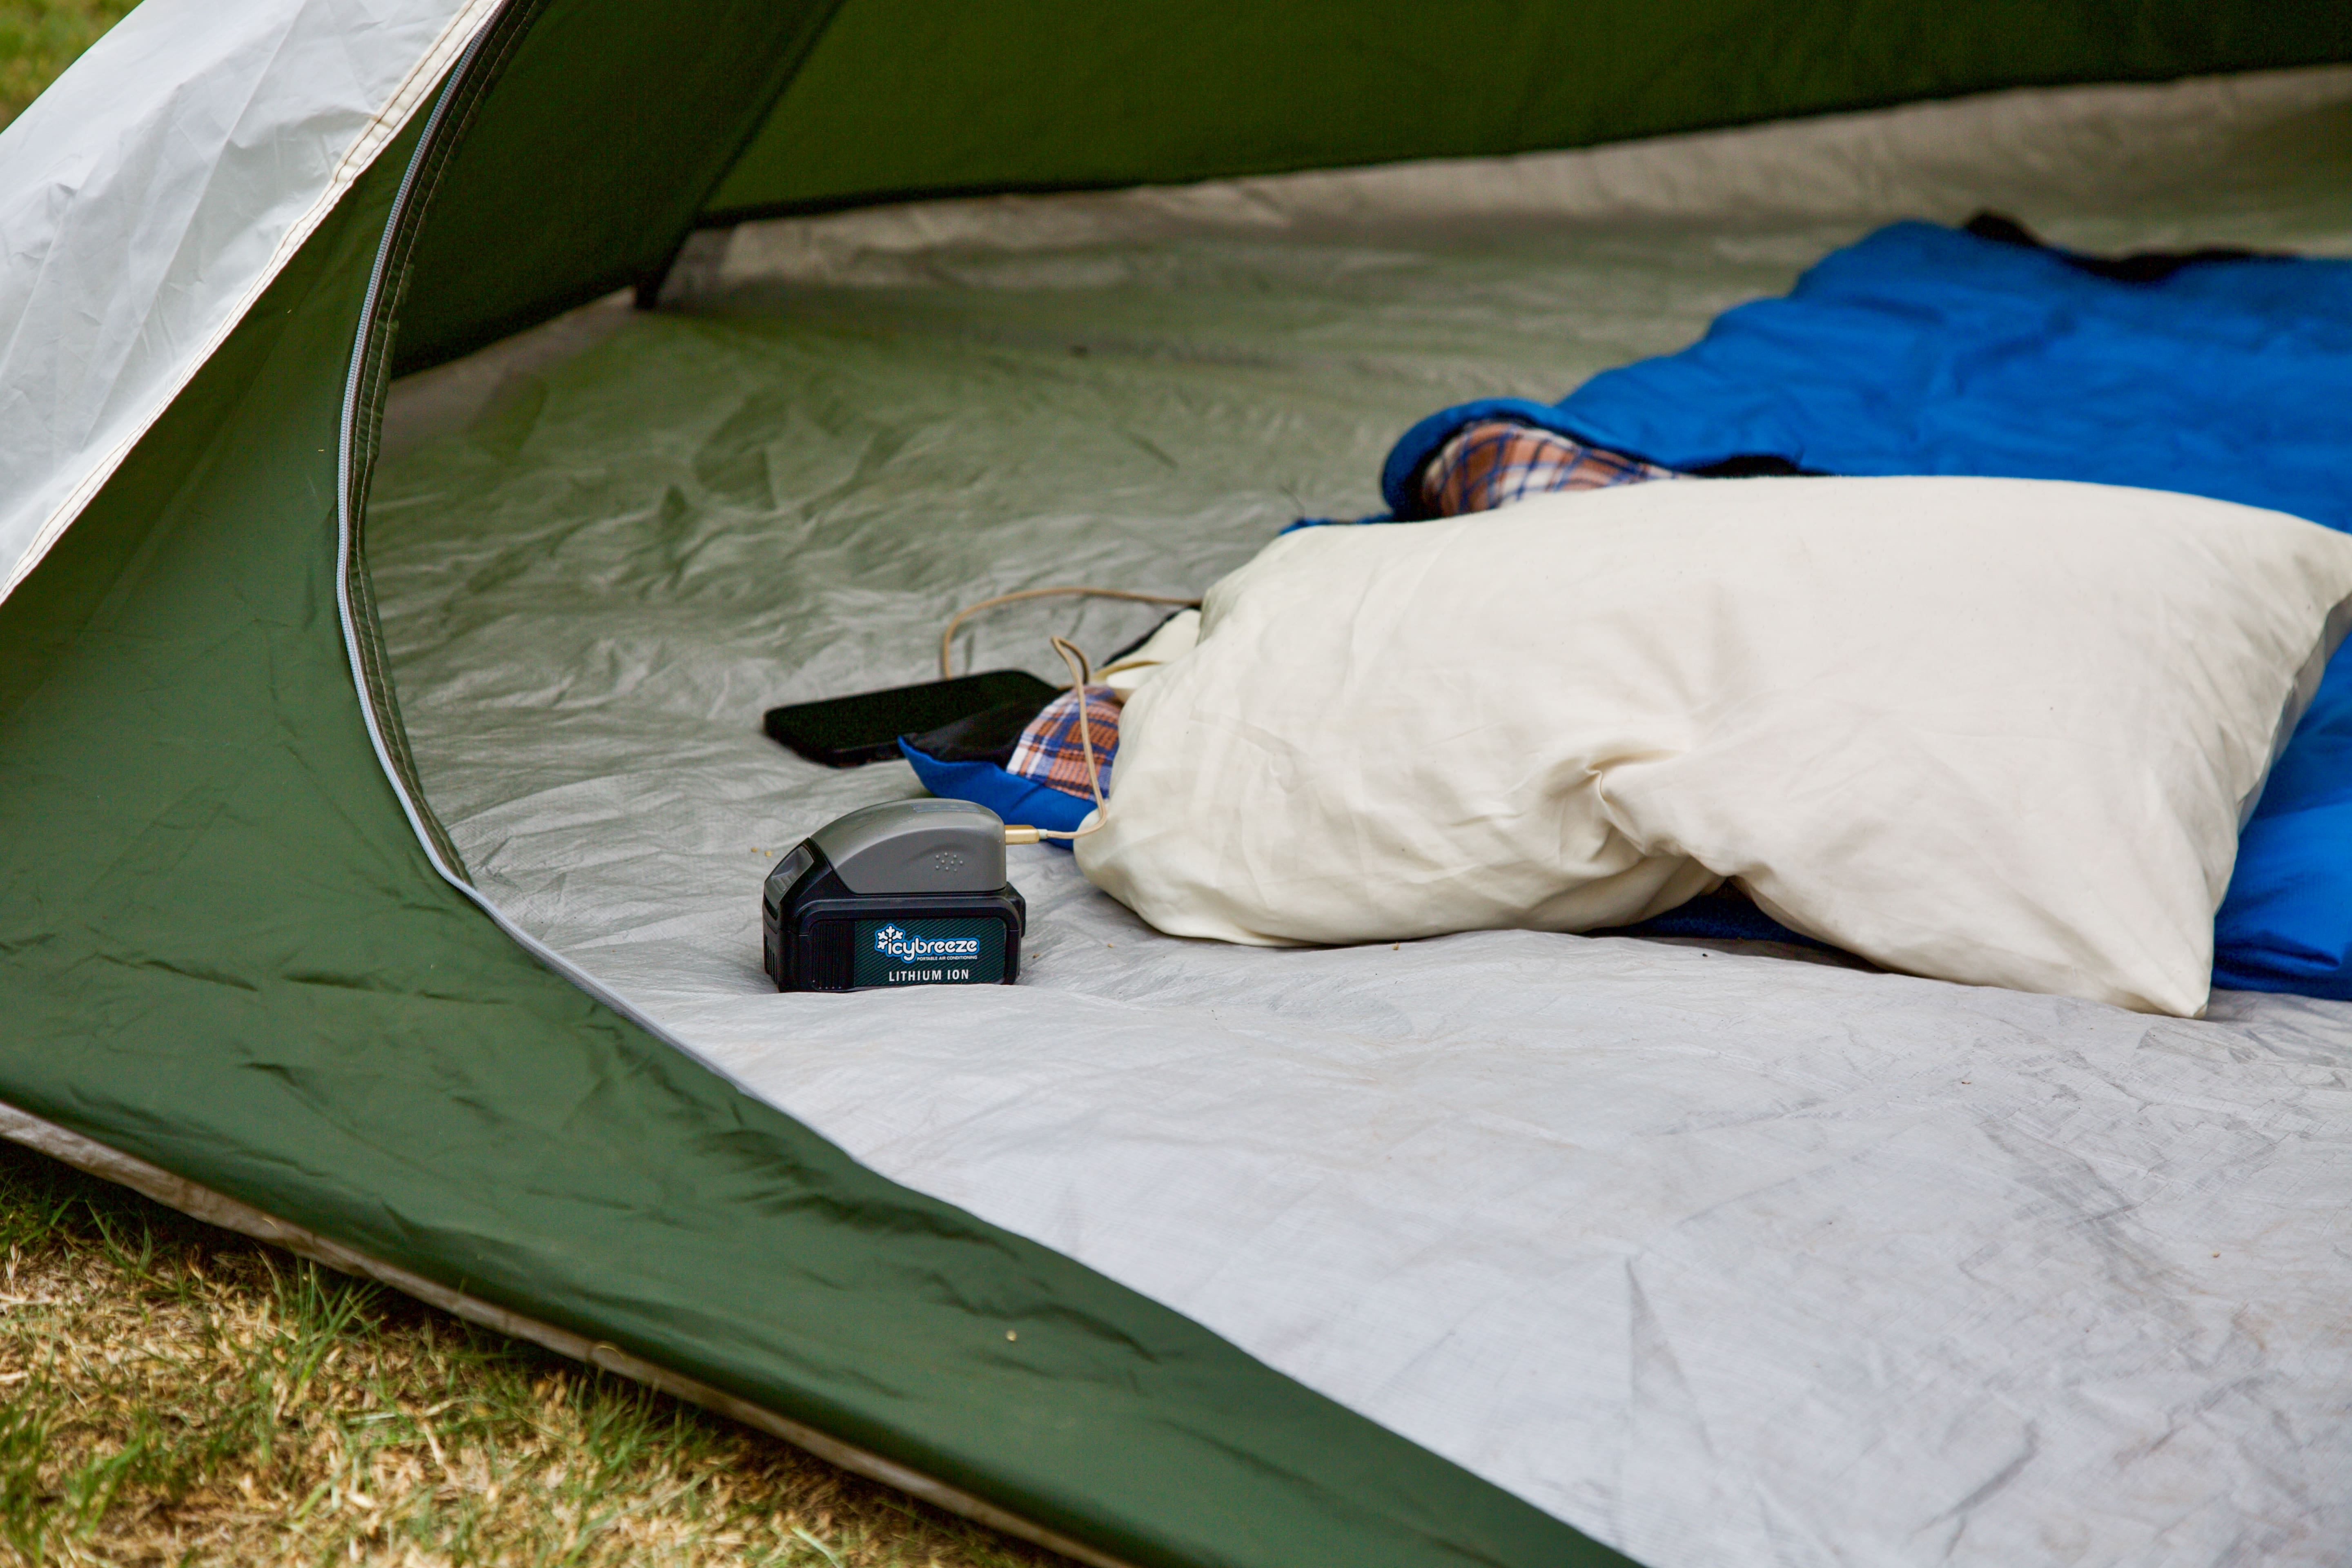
(649, 289)
(355, 595)
(354, 601)
(354, 604)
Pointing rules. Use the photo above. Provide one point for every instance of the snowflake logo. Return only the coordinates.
(886, 936)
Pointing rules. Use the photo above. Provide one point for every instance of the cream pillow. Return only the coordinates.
(1995, 730)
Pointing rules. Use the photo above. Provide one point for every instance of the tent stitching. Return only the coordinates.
(364, 389)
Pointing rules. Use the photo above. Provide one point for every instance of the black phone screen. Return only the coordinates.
(844, 731)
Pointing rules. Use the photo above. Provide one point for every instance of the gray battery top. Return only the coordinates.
(915, 847)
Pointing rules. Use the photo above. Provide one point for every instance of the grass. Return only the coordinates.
(174, 1394)
(38, 39)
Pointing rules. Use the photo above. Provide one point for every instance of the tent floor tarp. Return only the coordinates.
(1720, 1257)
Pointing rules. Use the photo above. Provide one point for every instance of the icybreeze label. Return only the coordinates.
(927, 952)
(902, 945)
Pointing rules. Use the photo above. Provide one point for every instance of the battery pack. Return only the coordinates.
(909, 893)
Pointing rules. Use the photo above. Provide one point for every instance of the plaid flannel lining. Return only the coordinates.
(1049, 750)
(1498, 461)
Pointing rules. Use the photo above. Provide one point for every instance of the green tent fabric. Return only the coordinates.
(604, 133)
(233, 945)
(590, 132)
(901, 99)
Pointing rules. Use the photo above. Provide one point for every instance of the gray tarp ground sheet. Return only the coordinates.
(1723, 1255)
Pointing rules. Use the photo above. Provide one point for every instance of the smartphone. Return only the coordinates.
(844, 731)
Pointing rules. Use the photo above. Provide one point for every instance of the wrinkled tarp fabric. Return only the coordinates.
(137, 226)
(223, 951)
(1924, 351)
(1725, 1257)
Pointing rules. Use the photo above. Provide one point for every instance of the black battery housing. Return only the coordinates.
(821, 933)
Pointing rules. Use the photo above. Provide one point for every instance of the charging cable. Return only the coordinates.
(1081, 675)
(947, 637)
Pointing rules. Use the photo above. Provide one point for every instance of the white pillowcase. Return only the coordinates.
(1994, 730)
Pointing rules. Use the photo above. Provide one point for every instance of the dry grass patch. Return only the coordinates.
(174, 1394)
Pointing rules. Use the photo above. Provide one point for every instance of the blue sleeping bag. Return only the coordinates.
(1924, 350)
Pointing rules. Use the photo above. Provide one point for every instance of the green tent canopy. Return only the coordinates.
(246, 966)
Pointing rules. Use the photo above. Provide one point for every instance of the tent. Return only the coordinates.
(272, 954)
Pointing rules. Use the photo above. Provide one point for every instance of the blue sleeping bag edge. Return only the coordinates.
(1923, 350)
